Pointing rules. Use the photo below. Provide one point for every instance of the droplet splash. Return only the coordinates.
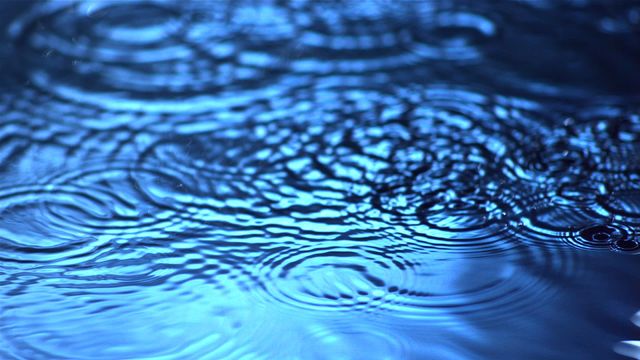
(606, 236)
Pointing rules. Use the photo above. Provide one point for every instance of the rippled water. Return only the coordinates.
(311, 180)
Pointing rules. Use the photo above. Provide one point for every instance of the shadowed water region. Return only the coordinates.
(319, 180)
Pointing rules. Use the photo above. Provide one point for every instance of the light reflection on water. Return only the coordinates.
(303, 180)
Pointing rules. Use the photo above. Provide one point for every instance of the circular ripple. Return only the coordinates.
(43, 224)
(424, 286)
(346, 341)
(450, 216)
(93, 252)
(491, 126)
(626, 245)
(399, 151)
(604, 236)
(549, 158)
(58, 318)
(212, 178)
(497, 286)
(375, 37)
(575, 219)
(75, 215)
(333, 278)
(150, 56)
(358, 141)
(451, 212)
(104, 41)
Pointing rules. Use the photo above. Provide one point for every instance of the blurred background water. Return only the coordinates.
(319, 180)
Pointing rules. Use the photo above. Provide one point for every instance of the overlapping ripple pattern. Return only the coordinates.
(318, 180)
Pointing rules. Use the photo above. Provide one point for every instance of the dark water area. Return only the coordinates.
(320, 180)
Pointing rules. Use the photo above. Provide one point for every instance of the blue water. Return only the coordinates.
(319, 180)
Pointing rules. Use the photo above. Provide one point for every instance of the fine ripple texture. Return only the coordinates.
(309, 180)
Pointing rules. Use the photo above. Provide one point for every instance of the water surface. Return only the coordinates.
(307, 180)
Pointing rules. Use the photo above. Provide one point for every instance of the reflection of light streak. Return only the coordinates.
(630, 348)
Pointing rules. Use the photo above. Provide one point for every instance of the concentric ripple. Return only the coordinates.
(77, 215)
(376, 37)
(51, 217)
(575, 218)
(52, 321)
(605, 236)
(333, 279)
(102, 40)
(119, 56)
(452, 217)
(200, 175)
(270, 179)
(85, 244)
(370, 280)
(347, 341)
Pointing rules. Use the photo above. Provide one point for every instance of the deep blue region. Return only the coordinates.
(320, 180)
